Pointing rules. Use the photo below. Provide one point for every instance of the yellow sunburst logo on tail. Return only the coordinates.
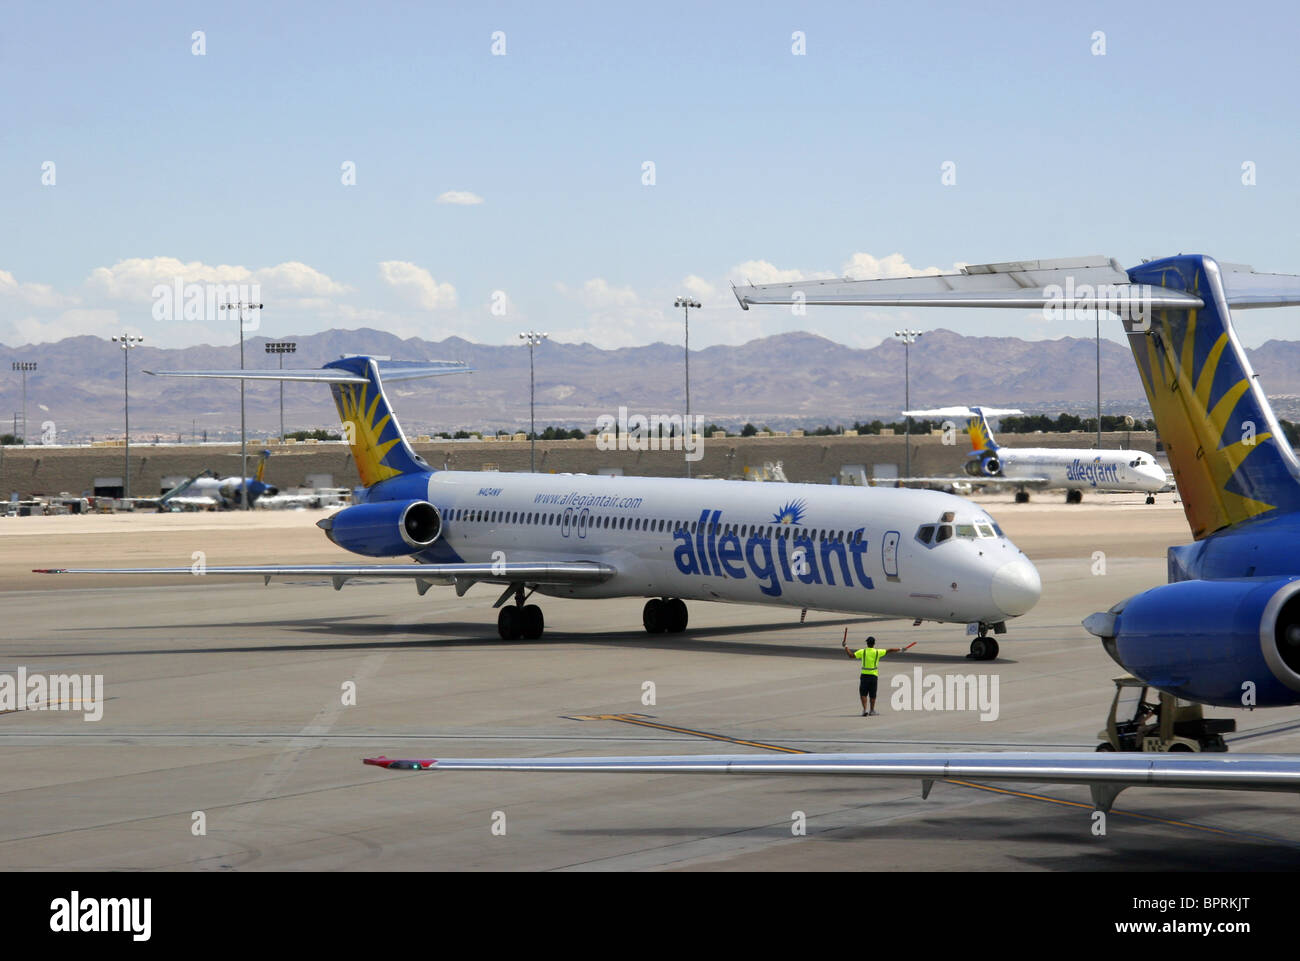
(363, 433)
(1193, 431)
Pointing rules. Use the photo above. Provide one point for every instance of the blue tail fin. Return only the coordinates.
(379, 447)
(1229, 457)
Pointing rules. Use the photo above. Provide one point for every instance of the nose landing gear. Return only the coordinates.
(983, 647)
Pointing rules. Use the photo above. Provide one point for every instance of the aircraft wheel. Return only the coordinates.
(652, 616)
(532, 622)
(1179, 749)
(509, 623)
(675, 615)
(979, 648)
(1105, 746)
(1151, 498)
(1074, 497)
(1022, 497)
(991, 649)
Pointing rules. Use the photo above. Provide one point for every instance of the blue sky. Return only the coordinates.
(768, 164)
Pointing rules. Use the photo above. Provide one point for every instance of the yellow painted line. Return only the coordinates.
(46, 706)
(642, 721)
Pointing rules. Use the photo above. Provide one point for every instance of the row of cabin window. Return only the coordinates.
(605, 521)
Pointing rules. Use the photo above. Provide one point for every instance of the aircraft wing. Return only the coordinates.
(1036, 482)
(1105, 774)
(462, 576)
(1080, 283)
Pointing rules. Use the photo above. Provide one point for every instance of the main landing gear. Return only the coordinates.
(1074, 497)
(1151, 498)
(1022, 497)
(666, 616)
(983, 647)
(520, 620)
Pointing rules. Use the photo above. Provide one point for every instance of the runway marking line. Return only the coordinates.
(644, 720)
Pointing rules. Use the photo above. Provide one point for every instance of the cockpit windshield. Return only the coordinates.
(948, 527)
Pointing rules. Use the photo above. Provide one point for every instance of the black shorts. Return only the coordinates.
(867, 685)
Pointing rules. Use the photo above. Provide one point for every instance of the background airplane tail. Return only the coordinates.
(1229, 457)
(261, 465)
(981, 436)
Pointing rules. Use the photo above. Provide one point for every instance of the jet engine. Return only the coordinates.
(1232, 643)
(384, 528)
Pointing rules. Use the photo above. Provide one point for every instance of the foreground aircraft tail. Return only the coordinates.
(1229, 456)
(379, 448)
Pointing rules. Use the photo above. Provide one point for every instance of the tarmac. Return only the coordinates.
(236, 716)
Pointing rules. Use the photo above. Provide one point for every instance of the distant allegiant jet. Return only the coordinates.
(1054, 468)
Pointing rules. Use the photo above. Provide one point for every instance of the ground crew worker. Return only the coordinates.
(870, 657)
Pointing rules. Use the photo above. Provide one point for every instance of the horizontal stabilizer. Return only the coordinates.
(964, 412)
(391, 371)
(1078, 283)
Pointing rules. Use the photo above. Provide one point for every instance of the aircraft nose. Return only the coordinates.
(1016, 588)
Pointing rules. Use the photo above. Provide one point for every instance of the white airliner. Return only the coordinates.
(1054, 468)
(917, 554)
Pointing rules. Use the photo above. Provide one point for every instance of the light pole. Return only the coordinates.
(1099, 380)
(23, 367)
(281, 347)
(533, 338)
(128, 343)
(243, 438)
(686, 303)
(908, 337)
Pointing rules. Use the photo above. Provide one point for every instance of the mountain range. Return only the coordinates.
(787, 380)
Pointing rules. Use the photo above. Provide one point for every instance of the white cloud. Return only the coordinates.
(41, 296)
(68, 323)
(134, 279)
(417, 284)
(461, 198)
(699, 288)
(863, 266)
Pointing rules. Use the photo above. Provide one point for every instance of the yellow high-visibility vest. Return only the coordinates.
(870, 657)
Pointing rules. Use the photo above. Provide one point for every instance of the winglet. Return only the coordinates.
(392, 764)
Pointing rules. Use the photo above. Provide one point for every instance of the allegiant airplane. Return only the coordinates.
(1059, 468)
(922, 555)
(1225, 629)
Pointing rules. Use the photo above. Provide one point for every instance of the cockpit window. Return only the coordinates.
(944, 532)
(985, 530)
(966, 530)
(925, 533)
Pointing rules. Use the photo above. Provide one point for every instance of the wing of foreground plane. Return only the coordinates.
(1105, 774)
(462, 576)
